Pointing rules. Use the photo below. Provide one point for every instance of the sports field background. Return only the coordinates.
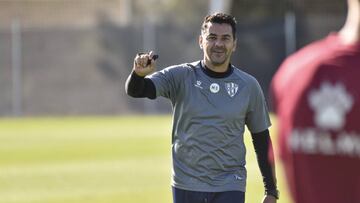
(97, 160)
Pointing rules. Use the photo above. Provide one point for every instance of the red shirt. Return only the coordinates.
(316, 95)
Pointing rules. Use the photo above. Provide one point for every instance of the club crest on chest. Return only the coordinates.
(231, 88)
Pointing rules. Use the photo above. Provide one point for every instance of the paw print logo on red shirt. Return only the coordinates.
(330, 104)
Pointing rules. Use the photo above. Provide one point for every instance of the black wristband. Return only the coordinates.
(274, 193)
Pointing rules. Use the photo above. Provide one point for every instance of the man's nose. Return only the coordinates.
(219, 43)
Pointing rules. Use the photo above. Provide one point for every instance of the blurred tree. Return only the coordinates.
(254, 10)
(174, 11)
(320, 6)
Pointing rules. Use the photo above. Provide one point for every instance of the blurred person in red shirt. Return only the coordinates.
(316, 96)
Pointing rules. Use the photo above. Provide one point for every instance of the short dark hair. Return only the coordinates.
(220, 18)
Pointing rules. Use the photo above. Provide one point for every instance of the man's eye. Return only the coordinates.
(211, 38)
(226, 39)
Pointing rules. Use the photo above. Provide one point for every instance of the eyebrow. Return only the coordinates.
(213, 34)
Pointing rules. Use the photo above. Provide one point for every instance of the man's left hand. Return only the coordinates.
(269, 199)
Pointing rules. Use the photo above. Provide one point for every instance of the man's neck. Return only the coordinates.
(219, 69)
(214, 74)
(350, 33)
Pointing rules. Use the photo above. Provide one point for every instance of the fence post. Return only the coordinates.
(149, 43)
(290, 32)
(16, 65)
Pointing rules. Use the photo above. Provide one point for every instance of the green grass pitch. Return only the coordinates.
(123, 159)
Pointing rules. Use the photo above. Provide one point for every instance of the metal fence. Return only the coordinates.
(66, 58)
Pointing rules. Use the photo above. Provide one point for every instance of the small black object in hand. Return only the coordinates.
(154, 58)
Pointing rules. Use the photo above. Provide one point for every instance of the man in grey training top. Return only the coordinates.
(212, 101)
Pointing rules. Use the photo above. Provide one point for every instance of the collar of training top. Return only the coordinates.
(214, 74)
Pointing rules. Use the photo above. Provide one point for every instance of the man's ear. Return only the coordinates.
(200, 42)
(235, 44)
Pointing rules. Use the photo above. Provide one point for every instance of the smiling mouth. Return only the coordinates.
(218, 53)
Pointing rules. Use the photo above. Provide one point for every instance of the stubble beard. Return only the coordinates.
(217, 61)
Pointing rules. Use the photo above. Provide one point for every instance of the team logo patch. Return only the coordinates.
(330, 103)
(214, 88)
(231, 88)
